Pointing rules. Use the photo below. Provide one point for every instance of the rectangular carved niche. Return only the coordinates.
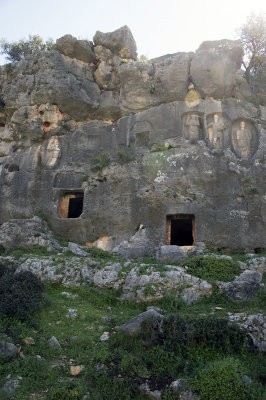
(180, 229)
(71, 204)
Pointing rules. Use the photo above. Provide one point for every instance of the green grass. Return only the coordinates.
(194, 341)
(115, 368)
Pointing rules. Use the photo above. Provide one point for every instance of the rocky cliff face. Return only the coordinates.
(103, 145)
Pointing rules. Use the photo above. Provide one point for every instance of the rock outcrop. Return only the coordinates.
(102, 144)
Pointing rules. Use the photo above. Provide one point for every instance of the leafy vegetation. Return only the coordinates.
(253, 39)
(21, 294)
(16, 51)
(225, 379)
(101, 161)
(194, 343)
(212, 268)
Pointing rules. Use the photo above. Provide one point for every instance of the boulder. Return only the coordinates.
(214, 68)
(120, 42)
(150, 394)
(170, 254)
(243, 286)
(7, 349)
(74, 48)
(53, 342)
(11, 385)
(25, 233)
(134, 326)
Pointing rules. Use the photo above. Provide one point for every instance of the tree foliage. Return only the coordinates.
(253, 39)
(16, 51)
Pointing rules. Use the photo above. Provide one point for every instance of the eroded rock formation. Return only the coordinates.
(102, 144)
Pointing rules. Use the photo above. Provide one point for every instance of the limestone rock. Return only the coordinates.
(135, 247)
(7, 349)
(243, 286)
(27, 233)
(76, 370)
(76, 249)
(133, 326)
(170, 254)
(105, 336)
(72, 313)
(255, 326)
(150, 394)
(214, 67)
(53, 342)
(11, 385)
(120, 42)
(74, 48)
(106, 277)
(29, 340)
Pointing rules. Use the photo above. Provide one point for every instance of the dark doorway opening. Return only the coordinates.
(71, 204)
(75, 207)
(180, 230)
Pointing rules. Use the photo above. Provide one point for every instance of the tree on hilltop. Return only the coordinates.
(253, 39)
(16, 51)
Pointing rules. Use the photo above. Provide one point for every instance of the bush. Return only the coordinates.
(212, 268)
(16, 51)
(101, 161)
(223, 380)
(65, 394)
(21, 294)
(209, 332)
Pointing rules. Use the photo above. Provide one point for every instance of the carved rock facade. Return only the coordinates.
(103, 145)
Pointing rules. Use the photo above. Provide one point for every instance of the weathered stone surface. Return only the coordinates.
(53, 342)
(255, 326)
(74, 48)
(170, 254)
(213, 69)
(120, 42)
(150, 394)
(11, 385)
(160, 153)
(243, 286)
(7, 349)
(27, 233)
(149, 84)
(134, 326)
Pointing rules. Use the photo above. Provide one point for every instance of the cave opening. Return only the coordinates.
(71, 204)
(180, 230)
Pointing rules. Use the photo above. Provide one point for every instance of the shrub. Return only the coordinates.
(65, 394)
(16, 51)
(21, 294)
(101, 160)
(213, 333)
(212, 268)
(222, 380)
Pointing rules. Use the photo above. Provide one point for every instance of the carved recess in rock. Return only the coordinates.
(74, 48)
(192, 126)
(217, 131)
(214, 68)
(140, 134)
(120, 42)
(244, 138)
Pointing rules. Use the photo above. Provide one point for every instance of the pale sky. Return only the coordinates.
(158, 26)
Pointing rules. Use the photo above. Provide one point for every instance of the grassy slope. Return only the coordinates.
(113, 369)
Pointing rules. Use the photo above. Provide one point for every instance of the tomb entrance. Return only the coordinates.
(180, 229)
(71, 204)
